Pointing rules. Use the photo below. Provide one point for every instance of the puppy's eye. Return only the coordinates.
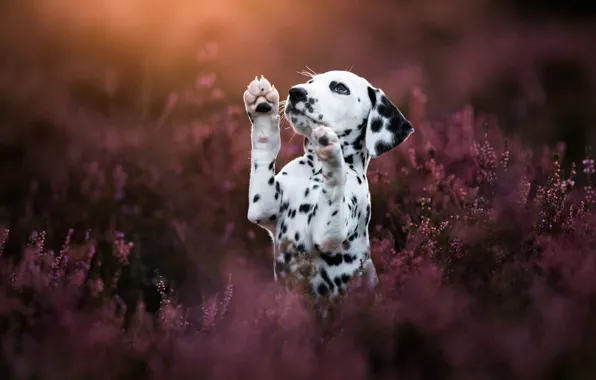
(310, 81)
(339, 88)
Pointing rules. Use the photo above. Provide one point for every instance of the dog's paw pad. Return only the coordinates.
(261, 97)
(263, 107)
(327, 144)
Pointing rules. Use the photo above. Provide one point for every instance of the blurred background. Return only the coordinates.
(127, 114)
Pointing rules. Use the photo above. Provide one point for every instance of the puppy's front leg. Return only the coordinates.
(262, 101)
(330, 228)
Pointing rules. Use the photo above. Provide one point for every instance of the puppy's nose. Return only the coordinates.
(297, 94)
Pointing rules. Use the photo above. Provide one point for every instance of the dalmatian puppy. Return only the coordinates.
(318, 206)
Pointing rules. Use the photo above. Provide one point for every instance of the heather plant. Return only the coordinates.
(486, 266)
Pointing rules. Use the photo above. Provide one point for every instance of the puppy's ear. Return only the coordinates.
(387, 127)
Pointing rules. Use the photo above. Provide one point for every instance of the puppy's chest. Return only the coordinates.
(303, 200)
(299, 207)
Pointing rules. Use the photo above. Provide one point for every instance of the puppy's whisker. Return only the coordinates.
(281, 106)
(283, 122)
(305, 73)
(311, 70)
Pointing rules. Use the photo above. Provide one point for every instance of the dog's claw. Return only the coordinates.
(253, 87)
(265, 84)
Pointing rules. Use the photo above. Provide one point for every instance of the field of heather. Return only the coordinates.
(125, 249)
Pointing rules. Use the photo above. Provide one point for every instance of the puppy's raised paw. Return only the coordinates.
(261, 98)
(327, 147)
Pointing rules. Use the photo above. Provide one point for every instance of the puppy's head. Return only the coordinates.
(350, 106)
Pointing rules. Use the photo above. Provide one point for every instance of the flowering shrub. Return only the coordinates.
(126, 252)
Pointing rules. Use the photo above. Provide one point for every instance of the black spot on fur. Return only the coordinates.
(332, 260)
(322, 290)
(272, 165)
(271, 180)
(256, 198)
(401, 129)
(386, 109)
(353, 236)
(326, 278)
(297, 236)
(304, 208)
(284, 206)
(372, 95)
(349, 258)
(273, 217)
(306, 192)
(376, 125)
(382, 147)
